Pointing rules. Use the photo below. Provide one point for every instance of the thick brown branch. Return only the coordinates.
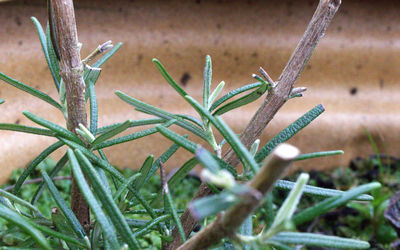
(72, 74)
(276, 98)
(227, 225)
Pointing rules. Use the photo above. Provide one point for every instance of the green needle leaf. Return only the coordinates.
(11, 216)
(26, 129)
(319, 240)
(144, 107)
(233, 93)
(28, 170)
(135, 123)
(207, 76)
(69, 215)
(168, 78)
(60, 164)
(107, 228)
(18, 200)
(53, 62)
(244, 155)
(215, 94)
(52, 126)
(130, 137)
(146, 228)
(111, 133)
(288, 207)
(43, 43)
(178, 139)
(144, 171)
(30, 90)
(243, 100)
(290, 131)
(333, 202)
(106, 199)
(317, 191)
(318, 154)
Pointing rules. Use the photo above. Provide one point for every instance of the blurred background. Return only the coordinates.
(354, 72)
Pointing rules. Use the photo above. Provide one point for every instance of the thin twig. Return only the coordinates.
(38, 180)
(276, 97)
(227, 224)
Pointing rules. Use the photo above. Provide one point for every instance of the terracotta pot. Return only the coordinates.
(354, 72)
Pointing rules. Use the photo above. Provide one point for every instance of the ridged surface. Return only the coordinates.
(354, 72)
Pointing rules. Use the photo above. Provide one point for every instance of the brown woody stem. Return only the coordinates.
(276, 97)
(71, 70)
(227, 225)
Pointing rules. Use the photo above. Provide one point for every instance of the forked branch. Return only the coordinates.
(276, 97)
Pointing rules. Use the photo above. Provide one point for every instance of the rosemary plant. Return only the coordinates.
(227, 215)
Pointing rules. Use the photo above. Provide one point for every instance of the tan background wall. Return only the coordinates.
(354, 72)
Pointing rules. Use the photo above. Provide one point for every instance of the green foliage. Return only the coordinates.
(136, 211)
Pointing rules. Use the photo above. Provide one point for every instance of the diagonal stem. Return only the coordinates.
(276, 98)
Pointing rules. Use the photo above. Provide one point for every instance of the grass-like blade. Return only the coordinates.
(288, 207)
(168, 78)
(17, 200)
(104, 164)
(290, 131)
(135, 123)
(319, 240)
(233, 93)
(94, 116)
(52, 126)
(69, 215)
(333, 202)
(317, 191)
(30, 90)
(191, 119)
(111, 133)
(106, 199)
(43, 43)
(215, 94)
(207, 76)
(58, 235)
(211, 205)
(13, 217)
(163, 158)
(53, 62)
(107, 56)
(318, 154)
(251, 97)
(144, 171)
(131, 137)
(59, 165)
(146, 228)
(241, 151)
(174, 214)
(178, 139)
(28, 170)
(1, 101)
(162, 114)
(91, 79)
(107, 228)
(26, 129)
(178, 177)
(125, 185)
